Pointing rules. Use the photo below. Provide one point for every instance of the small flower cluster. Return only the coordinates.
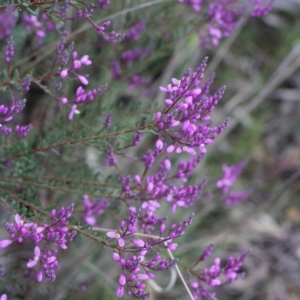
(127, 57)
(223, 16)
(230, 174)
(10, 52)
(261, 8)
(76, 65)
(131, 254)
(92, 208)
(136, 81)
(186, 113)
(82, 96)
(55, 233)
(7, 22)
(39, 28)
(111, 36)
(133, 34)
(135, 54)
(195, 4)
(216, 275)
(7, 114)
(158, 188)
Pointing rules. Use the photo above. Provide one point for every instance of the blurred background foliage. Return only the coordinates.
(260, 66)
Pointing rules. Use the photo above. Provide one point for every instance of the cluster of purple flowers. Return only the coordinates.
(182, 126)
(43, 235)
(132, 253)
(39, 28)
(230, 174)
(7, 22)
(93, 208)
(111, 36)
(127, 57)
(76, 65)
(185, 118)
(135, 54)
(133, 34)
(216, 275)
(223, 16)
(7, 114)
(81, 96)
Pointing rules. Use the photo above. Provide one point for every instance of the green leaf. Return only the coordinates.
(55, 151)
(42, 153)
(149, 131)
(16, 75)
(33, 12)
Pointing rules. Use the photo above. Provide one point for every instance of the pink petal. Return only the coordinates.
(139, 243)
(39, 276)
(83, 79)
(5, 243)
(163, 89)
(79, 91)
(18, 219)
(63, 246)
(179, 150)
(76, 64)
(142, 276)
(64, 100)
(150, 187)
(116, 256)
(40, 229)
(159, 144)
(202, 148)
(170, 149)
(158, 116)
(37, 251)
(175, 123)
(172, 246)
(74, 55)
(122, 279)
(120, 291)
(168, 102)
(51, 259)
(191, 151)
(111, 234)
(121, 242)
(31, 263)
(90, 220)
(137, 179)
(64, 73)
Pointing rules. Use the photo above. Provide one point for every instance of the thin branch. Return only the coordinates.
(74, 141)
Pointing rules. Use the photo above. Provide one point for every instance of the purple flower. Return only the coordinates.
(7, 21)
(5, 243)
(9, 53)
(115, 235)
(37, 254)
(93, 208)
(120, 291)
(76, 65)
(230, 174)
(3, 297)
(56, 233)
(73, 111)
(134, 32)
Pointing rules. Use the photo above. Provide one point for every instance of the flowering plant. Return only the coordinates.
(91, 152)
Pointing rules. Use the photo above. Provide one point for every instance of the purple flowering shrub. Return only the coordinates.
(99, 155)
